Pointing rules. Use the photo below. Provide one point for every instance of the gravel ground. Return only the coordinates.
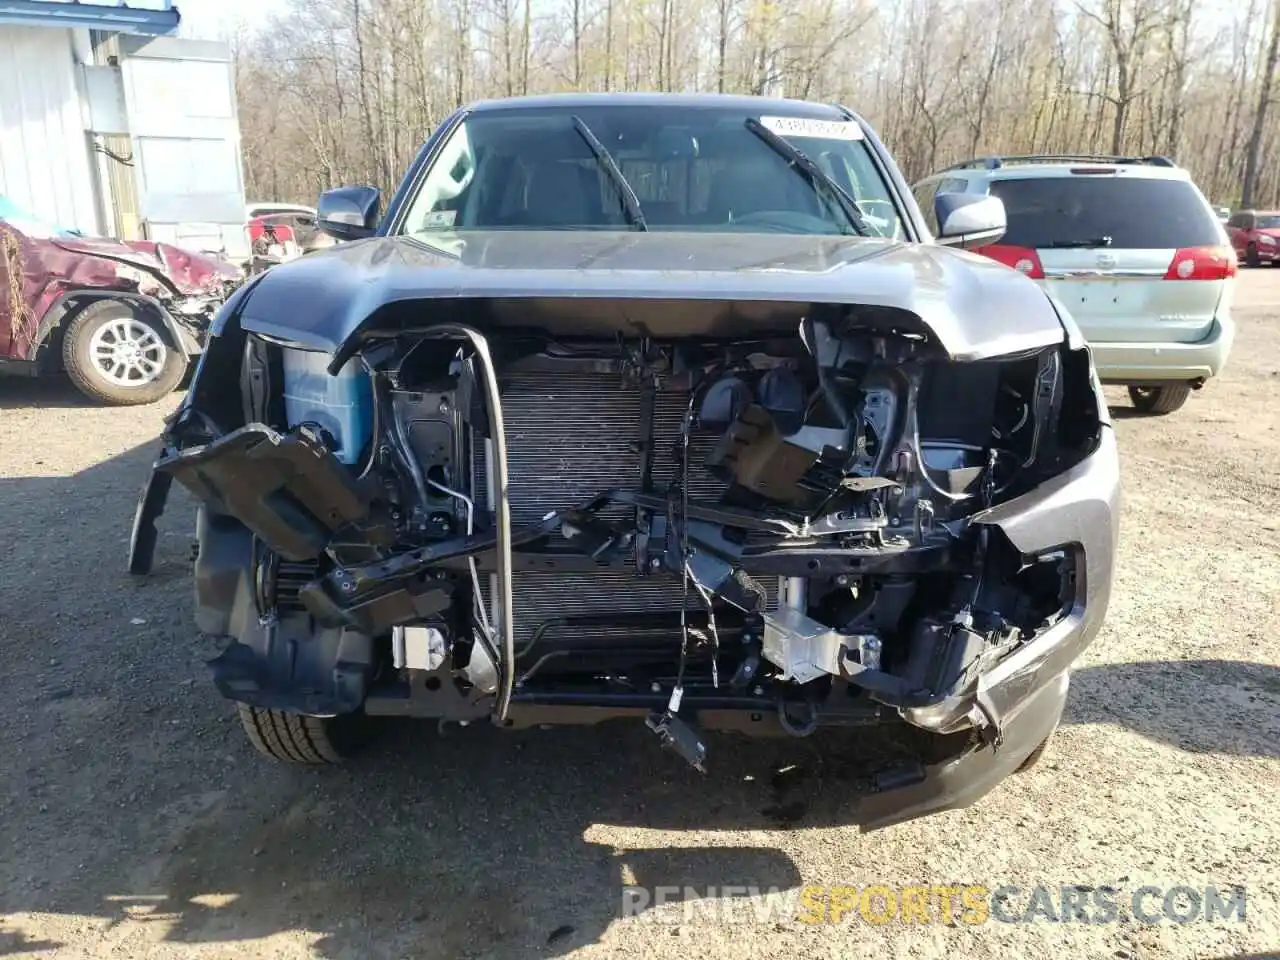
(135, 821)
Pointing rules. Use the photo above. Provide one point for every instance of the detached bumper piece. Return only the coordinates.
(289, 489)
(325, 678)
(151, 504)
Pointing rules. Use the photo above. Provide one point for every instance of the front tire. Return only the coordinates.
(118, 354)
(309, 741)
(1251, 256)
(1158, 401)
(1036, 755)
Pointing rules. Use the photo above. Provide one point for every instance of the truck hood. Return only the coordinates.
(974, 307)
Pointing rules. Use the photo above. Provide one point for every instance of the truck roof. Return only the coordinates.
(797, 108)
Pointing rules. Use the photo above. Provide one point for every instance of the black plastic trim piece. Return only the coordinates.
(289, 489)
(142, 541)
(497, 434)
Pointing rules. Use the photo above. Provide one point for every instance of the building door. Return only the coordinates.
(180, 100)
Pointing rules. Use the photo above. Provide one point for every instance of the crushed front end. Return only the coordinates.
(824, 521)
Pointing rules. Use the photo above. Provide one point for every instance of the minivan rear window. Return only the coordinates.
(1135, 213)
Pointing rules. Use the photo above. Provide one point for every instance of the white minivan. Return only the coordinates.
(1132, 249)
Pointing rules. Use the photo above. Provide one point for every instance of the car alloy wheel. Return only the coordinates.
(127, 352)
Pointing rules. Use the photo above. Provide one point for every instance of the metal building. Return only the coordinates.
(111, 125)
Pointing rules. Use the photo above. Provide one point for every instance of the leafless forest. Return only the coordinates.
(345, 91)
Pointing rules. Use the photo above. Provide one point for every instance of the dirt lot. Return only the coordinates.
(135, 821)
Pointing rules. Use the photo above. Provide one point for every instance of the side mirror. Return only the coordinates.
(349, 213)
(967, 220)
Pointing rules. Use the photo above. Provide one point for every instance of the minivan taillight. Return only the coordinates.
(1202, 263)
(1023, 259)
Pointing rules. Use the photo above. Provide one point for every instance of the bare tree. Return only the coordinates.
(1178, 57)
(1129, 27)
(342, 91)
(1266, 90)
(724, 22)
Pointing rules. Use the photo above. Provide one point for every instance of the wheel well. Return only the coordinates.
(48, 346)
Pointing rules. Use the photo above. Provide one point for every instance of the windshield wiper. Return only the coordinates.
(1068, 244)
(635, 216)
(816, 176)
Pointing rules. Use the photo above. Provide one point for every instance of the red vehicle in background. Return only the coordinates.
(1255, 234)
(122, 319)
(283, 235)
(271, 240)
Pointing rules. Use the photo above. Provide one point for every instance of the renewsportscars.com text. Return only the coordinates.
(936, 904)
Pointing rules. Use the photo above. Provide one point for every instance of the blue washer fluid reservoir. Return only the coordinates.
(342, 405)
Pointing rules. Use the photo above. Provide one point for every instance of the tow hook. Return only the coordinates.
(789, 725)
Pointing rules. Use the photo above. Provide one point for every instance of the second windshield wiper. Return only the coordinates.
(816, 176)
(635, 216)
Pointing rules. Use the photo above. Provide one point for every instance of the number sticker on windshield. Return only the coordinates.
(439, 218)
(805, 127)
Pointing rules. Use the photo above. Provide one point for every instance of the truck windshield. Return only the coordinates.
(639, 167)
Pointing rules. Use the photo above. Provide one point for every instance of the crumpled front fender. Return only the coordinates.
(1077, 511)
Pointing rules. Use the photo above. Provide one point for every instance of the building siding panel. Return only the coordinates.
(44, 150)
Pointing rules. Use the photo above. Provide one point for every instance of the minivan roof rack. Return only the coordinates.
(996, 162)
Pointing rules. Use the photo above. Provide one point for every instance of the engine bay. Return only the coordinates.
(785, 528)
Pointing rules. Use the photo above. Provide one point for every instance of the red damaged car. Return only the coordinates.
(1256, 236)
(121, 318)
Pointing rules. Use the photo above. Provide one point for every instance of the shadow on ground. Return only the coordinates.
(132, 793)
(1185, 703)
(1127, 411)
(52, 390)
(47, 391)
(134, 796)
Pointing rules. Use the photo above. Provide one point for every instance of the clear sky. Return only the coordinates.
(215, 19)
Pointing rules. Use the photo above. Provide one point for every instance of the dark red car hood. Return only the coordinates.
(190, 273)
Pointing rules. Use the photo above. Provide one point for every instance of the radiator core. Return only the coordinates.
(569, 437)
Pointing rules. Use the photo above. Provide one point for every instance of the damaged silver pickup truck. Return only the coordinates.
(658, 406)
